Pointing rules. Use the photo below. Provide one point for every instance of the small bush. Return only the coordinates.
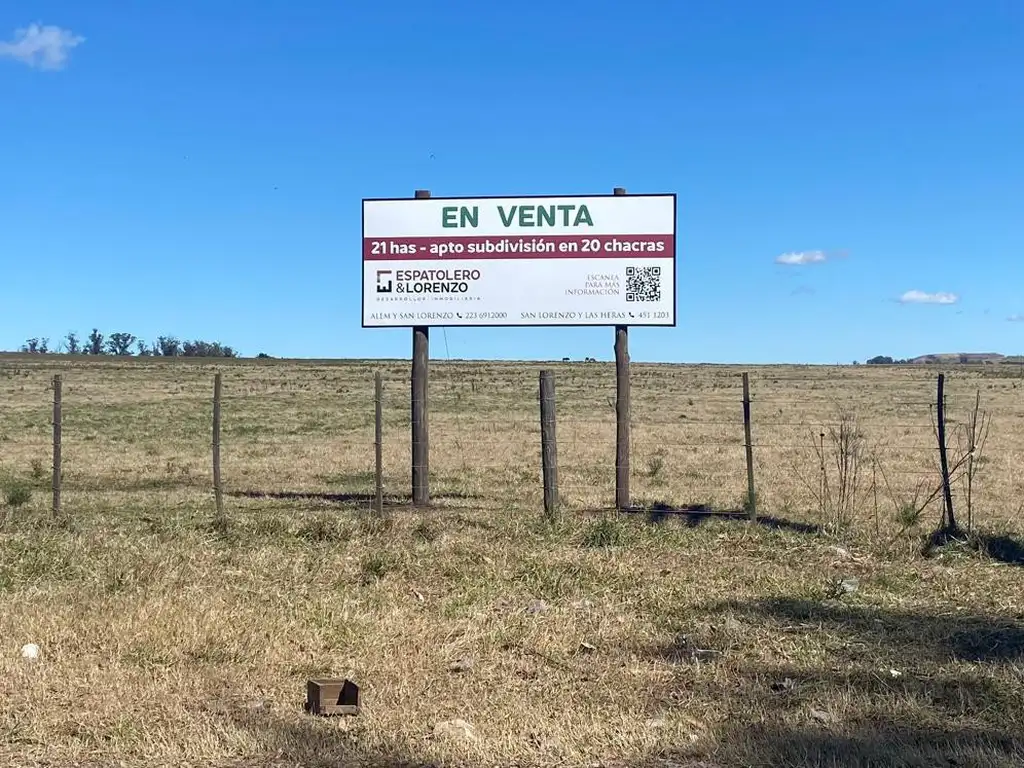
(376, 565)
(908, 515)
(17, 495)
(220, 527)
(323, 528)
(270, 527)
(842, 454)
(606, 532)
(655, 464)
(426, 531)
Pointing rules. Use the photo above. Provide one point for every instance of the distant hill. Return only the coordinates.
(960, 357)
(949, 358)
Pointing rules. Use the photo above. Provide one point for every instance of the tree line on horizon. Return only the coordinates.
(886, 360)
(127, 345)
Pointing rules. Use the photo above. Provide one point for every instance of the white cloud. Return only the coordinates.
(799, 258)
(42, 47)
(920, 297)
(1016, 318)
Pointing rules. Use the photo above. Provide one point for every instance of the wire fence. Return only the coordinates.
(687, 443)
(133, 431)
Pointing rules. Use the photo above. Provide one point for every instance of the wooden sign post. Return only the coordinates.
(622, 410)
(420, 424)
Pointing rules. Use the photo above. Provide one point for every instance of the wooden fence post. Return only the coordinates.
(378, 443)
(949, 519)
(57, 439)
(217, 488)
(548, 444)
(751, 494)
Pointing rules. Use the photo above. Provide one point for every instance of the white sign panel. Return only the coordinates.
(594, 260)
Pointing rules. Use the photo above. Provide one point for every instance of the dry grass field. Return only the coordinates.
(638, 639)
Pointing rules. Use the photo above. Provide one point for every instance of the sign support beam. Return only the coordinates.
(420, 391)
(622, 409)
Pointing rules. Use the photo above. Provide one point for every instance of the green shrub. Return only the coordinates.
(606, 532)
(17, 494)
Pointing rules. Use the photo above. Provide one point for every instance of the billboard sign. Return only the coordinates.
(519, 261)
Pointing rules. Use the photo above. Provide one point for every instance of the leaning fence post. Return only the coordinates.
(948, 518)
(751, 494)
(217, 487)
(57, 419)
(548, 444)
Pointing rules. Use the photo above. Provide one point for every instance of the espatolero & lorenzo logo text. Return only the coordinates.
(426, 280)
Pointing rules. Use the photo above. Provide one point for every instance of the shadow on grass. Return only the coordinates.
(871, 744)
(347, 499)
(1003, 549)
(138, 485)
(909, 636)
(315, 742)
(896, 688)
(691, 515)
(782, 524)
(694, 515)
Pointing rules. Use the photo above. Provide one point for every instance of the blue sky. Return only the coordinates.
(197, 167)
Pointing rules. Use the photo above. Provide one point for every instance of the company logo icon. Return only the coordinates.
(384, 284)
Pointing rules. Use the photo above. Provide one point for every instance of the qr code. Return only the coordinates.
(643, 283)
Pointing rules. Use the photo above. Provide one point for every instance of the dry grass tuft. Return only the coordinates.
(633, 640)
